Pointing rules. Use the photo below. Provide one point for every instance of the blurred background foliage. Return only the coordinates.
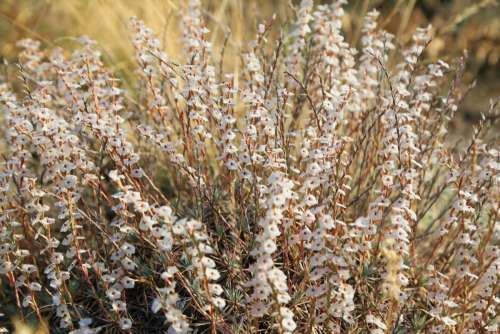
(472, 25)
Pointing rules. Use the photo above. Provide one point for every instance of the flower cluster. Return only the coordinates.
(315, 189)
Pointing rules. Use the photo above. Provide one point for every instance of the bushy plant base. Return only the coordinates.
(317, 190)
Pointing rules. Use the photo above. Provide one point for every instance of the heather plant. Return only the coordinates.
(317, 190)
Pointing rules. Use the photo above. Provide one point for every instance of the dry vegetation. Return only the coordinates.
(308, 185)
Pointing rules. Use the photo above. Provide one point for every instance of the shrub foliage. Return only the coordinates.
(315, 190)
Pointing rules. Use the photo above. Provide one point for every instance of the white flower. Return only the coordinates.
(231, 165)
(128, 263)
(29, 268)
(310, 200)
(141, 206)
(208, 262)
(5, 267)
(219, 302)
(125, 323)
(283, 298)
(314, 169)
(127, 282)
(215, 289)
(113, 294)
(171, 271)
(156, 305)
(286, 313)
(115, 176)
(212, 274)
(108, 278)
(492, 328)
(69, 181)
(258, 309)
(288, 324)
(387, 180)
(377, 331)
(119, 306)
(269, 246)
(137, 173)
(371, 319)
(448, 321)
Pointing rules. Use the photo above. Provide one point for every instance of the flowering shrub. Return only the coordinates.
(317, 191)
